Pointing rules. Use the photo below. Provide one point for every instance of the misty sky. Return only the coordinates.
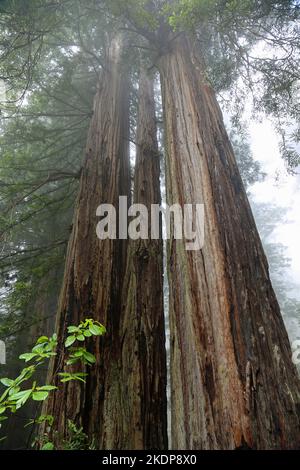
(281, 189)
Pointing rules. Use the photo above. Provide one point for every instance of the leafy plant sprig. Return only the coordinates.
(14, 397)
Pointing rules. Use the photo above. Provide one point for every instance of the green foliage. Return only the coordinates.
(48, 446)
(14, 397)
(85, 329)
(186, 14)
(68, 376)
(42, 141)
(250, 169)
(76, 440)
(227, 33)
(41, 419)
(44, 349)
(139, 12)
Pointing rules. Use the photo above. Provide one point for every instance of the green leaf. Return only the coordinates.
(45, 418)
(42, 340)
(13, 390)
(39, 396)
(41, 419)
(97, 330)
(25, 374)
(68, 376)
(89, 357)
(38, 349)
(48, 446)
(78, 353)
(72, 361)
(67, 379)
(2, 410)
(47, 388)
(20, 395)
(6, 382)
(78, 377)
(73, 329)
(27, 356)
(87, 333)
(80, 337)
(69, 341)
(4, 395)
(23, 399)
(30, 422)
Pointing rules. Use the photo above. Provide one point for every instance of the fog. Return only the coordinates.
(281, 189)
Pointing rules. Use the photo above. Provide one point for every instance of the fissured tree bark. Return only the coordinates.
(233, 384)
(94, 269)
(142, 327)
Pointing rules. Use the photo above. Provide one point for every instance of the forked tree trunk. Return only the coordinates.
(233, 381)
(95, 268)
(142, 328)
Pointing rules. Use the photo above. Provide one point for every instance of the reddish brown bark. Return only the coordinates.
(233, 381)
(143, 337)
(94, 268)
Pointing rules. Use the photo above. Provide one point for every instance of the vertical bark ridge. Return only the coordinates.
(94, 268)
(233, 383)
(143, 337)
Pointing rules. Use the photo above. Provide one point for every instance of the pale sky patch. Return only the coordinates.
(279, 188)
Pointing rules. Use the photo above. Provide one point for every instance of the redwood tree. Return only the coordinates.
(142, 321)
(95, 268)
(232, 378)
(233, 383)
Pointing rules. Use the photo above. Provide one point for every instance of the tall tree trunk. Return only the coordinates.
(233, 381)
(143, 353)
(95, 268)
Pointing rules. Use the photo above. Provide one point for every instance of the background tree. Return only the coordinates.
(42, 142)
